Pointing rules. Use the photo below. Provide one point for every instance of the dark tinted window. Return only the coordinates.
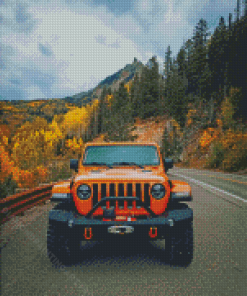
(141, 155)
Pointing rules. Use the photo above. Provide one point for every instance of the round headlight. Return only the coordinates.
(84, 191)
(158, 191)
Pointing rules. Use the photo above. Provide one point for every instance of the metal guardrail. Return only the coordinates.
(18, 203)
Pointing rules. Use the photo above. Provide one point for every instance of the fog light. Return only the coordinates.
(171, 222)
(70, 223)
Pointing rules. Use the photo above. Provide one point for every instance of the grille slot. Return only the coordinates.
(112, 203)
(146, 194)
(121, 189)
(129, 189)
(103, 190)
(129, 204)
(95, 194)
(111, 189)
(138, 190)
(121, 204)
(138, 194)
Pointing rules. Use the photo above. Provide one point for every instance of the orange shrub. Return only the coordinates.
(229, 151)
(190, 116)
(235, 145)
(74, 145)
(23, 178)
(231, 138)
(208, 136)
(40, 174)
(6, 165)
(26, 179)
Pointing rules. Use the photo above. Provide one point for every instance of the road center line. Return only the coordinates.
(200, 172)
(226, 179)
(209, 186)
(212, 176)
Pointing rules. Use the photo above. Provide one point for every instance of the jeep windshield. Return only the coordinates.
(121, 155)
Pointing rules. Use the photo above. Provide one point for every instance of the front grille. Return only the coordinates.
(140, 190)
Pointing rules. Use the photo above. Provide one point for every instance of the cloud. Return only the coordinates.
(14, 16)
(103, 40)
(161, 23)
(116, 44)
(36, 77)
(56, 48)
(64, 54)
(80, 43)
(11, 93)
(35, 92)
(45, 50)
(118, 7)
(100, 39)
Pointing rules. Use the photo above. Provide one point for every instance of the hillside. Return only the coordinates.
(15, 113)
(149, 130)
(112, 81)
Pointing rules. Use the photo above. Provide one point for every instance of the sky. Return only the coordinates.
(58, 48)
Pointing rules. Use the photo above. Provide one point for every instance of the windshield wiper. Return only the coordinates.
(98, 163)
(128, 163)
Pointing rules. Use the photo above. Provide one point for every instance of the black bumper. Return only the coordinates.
(94, 229)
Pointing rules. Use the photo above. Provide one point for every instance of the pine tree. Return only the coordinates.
(119, 125)
(182, 67)
(153, 100)
(238, 62)
(189, 61)
(135, 97)
(168, 62)
(166, 147)
(181, 60)
(199, 56)
(238, 9)
(218, 54)
(102, 111)
(168, 71)
(176, 96)
(92, 130)
(176, 86)
(144, 95)
(230, 21)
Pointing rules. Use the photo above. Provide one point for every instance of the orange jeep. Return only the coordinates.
(120, 191)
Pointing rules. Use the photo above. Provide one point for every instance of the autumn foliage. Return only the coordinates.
(208, 136)
(29, 150)
(26, 151)
(226, 144)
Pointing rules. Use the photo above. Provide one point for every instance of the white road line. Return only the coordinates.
(209, 186)
(204, 172)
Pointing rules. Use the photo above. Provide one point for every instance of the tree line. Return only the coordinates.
(201, 74)
(204, 85)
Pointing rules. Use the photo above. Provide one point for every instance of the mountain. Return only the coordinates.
(16, 112)
(112, 81)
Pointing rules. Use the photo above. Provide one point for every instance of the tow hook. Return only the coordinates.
(153, 232)
(88, 233)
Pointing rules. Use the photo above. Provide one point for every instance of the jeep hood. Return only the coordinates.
(121, 175)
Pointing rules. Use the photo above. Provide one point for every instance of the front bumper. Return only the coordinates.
(94, 229)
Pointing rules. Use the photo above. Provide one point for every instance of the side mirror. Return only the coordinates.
(168, 162)
(74, 164)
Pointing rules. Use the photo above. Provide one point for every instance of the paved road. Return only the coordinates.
(233, 185)
(219, 266)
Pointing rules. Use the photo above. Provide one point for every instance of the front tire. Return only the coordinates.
(179, 245)
(62, 247)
